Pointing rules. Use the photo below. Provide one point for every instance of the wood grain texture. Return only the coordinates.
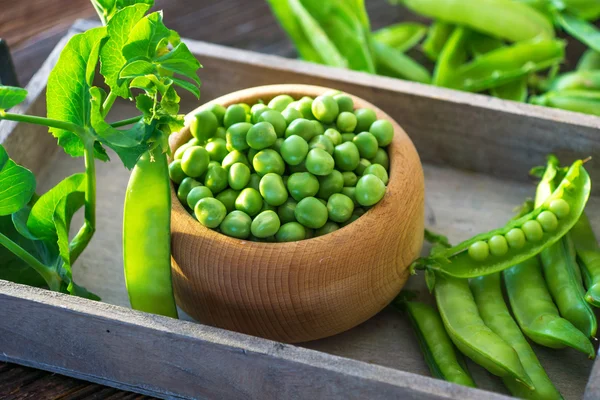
(306, 290)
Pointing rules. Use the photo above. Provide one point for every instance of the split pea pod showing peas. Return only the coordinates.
(487, 291)
(588, 255)
(441, 356)
(520, 239)
(471, 335)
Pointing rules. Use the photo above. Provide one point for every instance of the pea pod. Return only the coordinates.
(586, 9)
(396, 64)
(589, 61)
(470, 334)
(580, 29)
(583, 101)
(481, 256)
(403, 36)
(453, 55)
(588, 254)
(441, 356)
(437, 36)
(535, 311)
(505, 19)
(578, 80)
(488, 295)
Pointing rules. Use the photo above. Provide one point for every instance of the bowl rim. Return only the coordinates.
(266, 93)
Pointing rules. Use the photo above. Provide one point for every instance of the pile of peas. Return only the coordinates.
(283, 171)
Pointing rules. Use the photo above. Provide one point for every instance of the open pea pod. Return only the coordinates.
(520, 239)
(583, 101)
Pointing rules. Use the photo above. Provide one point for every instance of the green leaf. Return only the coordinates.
(137, 68)
(583, 31)
(19, 219)
(144, 83)
(10, 96)
(67, 94)
(107, 9)
(145, 104)
(430, 279)
(111, 57)
(41, 219)
(181, 61)
(17, 185)
(145, 36)
(63, 213)
(190, 87)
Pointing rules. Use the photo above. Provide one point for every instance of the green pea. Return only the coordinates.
(213, 164)
(195, 161)
(290, 232)
(365, 118)
(334, 136)
(319, 129)
(180, 150)
(220, 134)
(340, 207)
(236, 224)
(280, 102)
(238, 176)
(251, 154)
(311, 213)
(246, 107)
(366, 144)
(290, 114)
(276, 119)
(325, 109)
(277, 145)
(216, 179)
(322, 142)
(194, 142)
(533, 231)
(383, 130)
(351, 192)
(268, 160)
(273, 190)
(330, 184)
(261, 135)
(234, 157)
(286, 211)
(346, 122)
(327, 228)
(301, 127)
(310, 233)
(322, 202)
(302, 185)
(187, 184)
(227, 197)
(265, 224)
(204, 125)
(217, 149)
(346, 156)
(515, 238)
(350, 178)
(479, 251)
(358, 212)
(218, 110)
(548, 221)
(234, 114)
(236, 135)
(319, 162)
(297, 168)
(381, 158)
(175, 172)
(294, 149)
(210, 212)
(266, 206)
(196, 194)
(369, 190)
(254, 182)
(249, 201)
(498, 245)
(257, 110)
(348, 137)
(378, 171)
(345, 103)
(560, 208)
(363, 164)
(304, 105)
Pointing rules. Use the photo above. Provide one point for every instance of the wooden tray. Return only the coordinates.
(476, 152)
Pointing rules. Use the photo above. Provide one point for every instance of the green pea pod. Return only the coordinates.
(396, 64)
(147, 237)
(572, 195)
(535, 311)
(480, 44)
(589, 10)
(577, 80)
(589, 61)
(507, 64)
(470, 334)
(583, 101)
(583, 31)
(487, 291)
(437, 36)
(453, 55)
(588, 254)
(403, 36)
(441, 356)
(506, 19)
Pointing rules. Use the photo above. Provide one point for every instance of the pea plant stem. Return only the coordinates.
(50, 275)
(51, 123)
(85, 234)
(125, 122)
(108, 103)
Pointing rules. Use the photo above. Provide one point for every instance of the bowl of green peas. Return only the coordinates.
(296, 211)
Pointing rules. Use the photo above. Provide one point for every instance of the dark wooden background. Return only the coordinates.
(33, 27)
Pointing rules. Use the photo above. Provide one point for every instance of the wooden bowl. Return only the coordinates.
(306, 290)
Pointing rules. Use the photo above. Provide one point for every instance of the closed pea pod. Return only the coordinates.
(584, 101)
(394, 63)
(402, 36)
(437, 36)
(452, 57)
(589, 61)
(588, 254)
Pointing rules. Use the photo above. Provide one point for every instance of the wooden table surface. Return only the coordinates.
(33, 27)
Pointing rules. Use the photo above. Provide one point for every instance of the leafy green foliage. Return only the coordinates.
(17, 185)
(10, 96)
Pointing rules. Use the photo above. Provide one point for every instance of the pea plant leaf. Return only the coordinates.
(17, 185)
(10, 96)
(181, 61)
(107, 9)
(67, 94)
(111, 57)
(145, 37)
